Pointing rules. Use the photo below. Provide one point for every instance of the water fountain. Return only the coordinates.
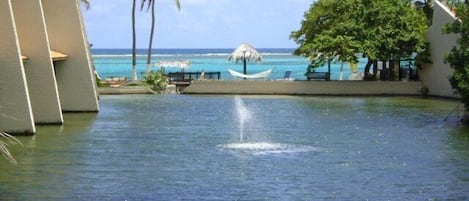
(243, 115)
(249, 144)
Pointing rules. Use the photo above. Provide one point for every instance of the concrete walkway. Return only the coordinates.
(338, 88)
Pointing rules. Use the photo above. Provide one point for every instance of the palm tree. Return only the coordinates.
(151, 3)
(134, 43)
(152, 32)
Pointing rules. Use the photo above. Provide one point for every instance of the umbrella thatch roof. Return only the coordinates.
(245, 51)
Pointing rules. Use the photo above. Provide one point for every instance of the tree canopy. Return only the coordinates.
(380, 30)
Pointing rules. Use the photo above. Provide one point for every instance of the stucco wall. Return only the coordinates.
(75, 77)
(39, 69)
(435, 76)
(303, 87)
(37, 89)
(15, 108)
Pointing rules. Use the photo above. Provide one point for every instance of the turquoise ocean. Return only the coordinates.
(118, 62)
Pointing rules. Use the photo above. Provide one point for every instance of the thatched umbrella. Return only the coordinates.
(245, 52)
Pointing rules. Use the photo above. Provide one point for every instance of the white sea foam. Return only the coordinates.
(130, 55)
(215, 54)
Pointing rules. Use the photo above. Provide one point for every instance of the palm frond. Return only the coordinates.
(142, 5)
(87, 3)
(178, 4)
(5, 141)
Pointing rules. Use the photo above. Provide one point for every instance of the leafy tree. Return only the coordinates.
(459, 56)
(328, 30)
(380, 30)
(394, 30)
(426, 6)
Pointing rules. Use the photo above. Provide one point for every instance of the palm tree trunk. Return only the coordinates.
(134, 44)
(150, 45)
(341, 74)
(367, 68)
(152, 32)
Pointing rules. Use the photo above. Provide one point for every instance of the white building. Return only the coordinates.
(45, 64)
(435, 76)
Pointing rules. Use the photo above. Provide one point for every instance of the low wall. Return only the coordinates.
(124, 90)
(338, 88)
(170, 89)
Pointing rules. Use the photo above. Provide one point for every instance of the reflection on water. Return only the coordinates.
(178, 147)
(46, 161)
(265, 148)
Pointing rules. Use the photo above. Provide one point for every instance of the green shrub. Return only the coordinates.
(157, 80)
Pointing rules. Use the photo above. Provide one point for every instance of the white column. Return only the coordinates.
(34, 43)
(75, 76)
(15, 109)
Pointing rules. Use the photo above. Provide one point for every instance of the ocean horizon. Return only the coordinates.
(165, 51)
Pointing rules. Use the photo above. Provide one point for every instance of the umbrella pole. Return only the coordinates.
(244, 65)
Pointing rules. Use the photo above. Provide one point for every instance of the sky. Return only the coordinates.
(199, 23)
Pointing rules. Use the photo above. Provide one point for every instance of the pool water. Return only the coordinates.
(181, 147)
